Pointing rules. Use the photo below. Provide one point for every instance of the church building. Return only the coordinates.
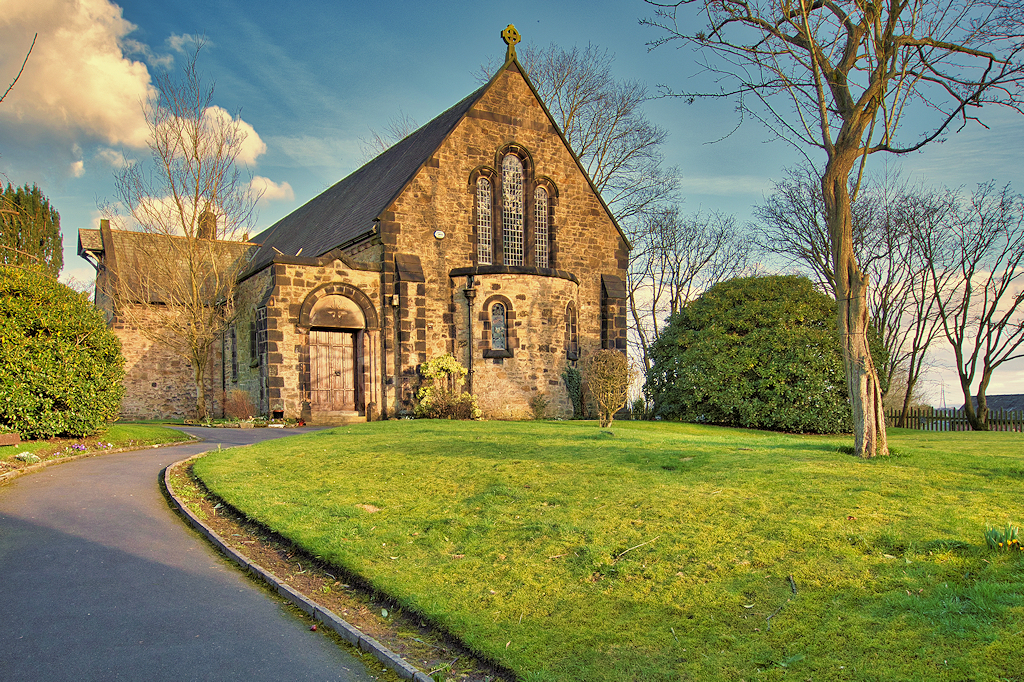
(479, 235)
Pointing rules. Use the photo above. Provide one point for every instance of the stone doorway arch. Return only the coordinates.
(341, 366)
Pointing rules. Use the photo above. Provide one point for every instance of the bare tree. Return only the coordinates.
(976, 273)
(175, 282)
(903, 309)
(886, 214)
(840, 76)
(791, 225)
(396, 129)
(22, 69)
(676, 257)
(603, 120)
(608, 375)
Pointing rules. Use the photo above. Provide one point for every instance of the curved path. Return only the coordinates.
(100, 580)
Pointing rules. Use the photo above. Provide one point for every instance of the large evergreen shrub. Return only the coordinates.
(754, 352)
(61, 369)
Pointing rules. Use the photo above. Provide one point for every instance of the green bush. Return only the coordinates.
(754, 352)
(61, 369)
(573, 379)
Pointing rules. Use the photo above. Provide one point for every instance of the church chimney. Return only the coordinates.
(207, 225)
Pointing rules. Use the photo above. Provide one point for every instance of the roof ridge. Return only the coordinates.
(346, 210)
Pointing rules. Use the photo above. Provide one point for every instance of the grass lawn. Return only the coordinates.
(665, 551)
(117, 436)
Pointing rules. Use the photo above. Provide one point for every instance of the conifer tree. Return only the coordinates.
(30, 230)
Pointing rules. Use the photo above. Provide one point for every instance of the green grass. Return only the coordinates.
(663, 551)
(117, 436)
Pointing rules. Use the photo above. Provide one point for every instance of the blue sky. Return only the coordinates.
(313, 78)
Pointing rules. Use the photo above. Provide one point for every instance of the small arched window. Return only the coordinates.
(512, 209)
(484, 227)
(540, 227)
(234, 354)
(499, 327)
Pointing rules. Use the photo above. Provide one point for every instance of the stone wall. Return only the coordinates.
(159, 383)
(244, 373)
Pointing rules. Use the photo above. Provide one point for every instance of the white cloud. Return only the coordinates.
(252, 145)
(111, 157)
(184, 43)
(77, 80)
(271, 191)
(162, 61)
(81, 85)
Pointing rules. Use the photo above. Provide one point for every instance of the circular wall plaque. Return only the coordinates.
(439, 234)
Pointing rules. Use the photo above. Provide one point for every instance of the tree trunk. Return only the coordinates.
(200, 378)
(986, 376)
(852, 308)
(977, 418)
(902, 423)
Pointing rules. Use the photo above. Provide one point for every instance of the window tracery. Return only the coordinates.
(540, 227)
(484, 227)
(512, 209)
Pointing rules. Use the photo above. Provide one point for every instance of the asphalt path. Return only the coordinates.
(100, 580)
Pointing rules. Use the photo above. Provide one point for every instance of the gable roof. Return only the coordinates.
(346, 211)
(126, 255)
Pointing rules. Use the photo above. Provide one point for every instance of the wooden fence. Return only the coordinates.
(930, 419)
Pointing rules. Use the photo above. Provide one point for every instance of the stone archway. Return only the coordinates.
(341, 365)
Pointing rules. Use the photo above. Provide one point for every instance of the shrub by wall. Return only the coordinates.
(60, 367)
(441, 396)
(753, 352)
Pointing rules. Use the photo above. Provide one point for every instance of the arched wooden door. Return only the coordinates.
(332, 370)
(335, 351)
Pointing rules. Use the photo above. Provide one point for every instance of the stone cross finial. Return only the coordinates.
(511, 36)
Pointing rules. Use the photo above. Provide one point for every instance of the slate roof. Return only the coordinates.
(346, 211)
(127, 252)
(1013, 401)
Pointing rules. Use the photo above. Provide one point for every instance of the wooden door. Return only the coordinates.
(332, 370)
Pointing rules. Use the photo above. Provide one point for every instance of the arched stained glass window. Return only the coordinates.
(484, 248)
(540, 227)
(512, 209)
(572, 338)
(499, 327)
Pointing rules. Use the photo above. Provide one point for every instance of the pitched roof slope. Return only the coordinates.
(347, 210)
(151, 266)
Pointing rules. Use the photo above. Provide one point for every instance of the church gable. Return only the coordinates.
(506, 150)
(514, 244)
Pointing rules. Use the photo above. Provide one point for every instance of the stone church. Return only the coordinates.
(479, 235)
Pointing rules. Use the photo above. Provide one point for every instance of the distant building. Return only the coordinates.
(159, 383)
(1012, 402)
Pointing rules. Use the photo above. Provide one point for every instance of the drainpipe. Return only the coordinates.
(470, 293)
